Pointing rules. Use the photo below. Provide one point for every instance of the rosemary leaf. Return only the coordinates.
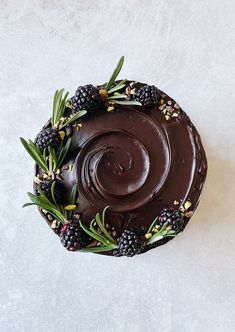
(98, 238)
(117, 87)
(73, 195)
(152, 225)
(103, 229)
(118, 97)
(53, 195)
(115, 73)
(155, 238)
(129, 102)
(73, 199)
(59, 104)
(104, 214)
(73, 118)
(52, 155)
(98, 249)
(93, 229)
(32, 151)
(43, 202)
(62, 154)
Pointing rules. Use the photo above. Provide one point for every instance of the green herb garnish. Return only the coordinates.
(58, 211)
(98, 232)
(49, 160)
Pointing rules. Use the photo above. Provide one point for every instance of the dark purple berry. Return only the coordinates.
(86, 98)
(48, 137)
(148, 95)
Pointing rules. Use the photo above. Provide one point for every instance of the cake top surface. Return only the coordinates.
(119, 168)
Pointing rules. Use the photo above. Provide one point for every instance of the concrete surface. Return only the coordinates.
(186, 48)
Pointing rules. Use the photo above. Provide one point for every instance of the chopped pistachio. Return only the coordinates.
(148, 236)
(187, 205)
(70, 207)
(54, 224)
(70, 166)
(62, 134)
(68, 103)
(188, 214)
(110, 109)
(37, 180)
(103, 94)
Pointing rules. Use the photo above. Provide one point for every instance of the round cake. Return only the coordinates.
(119, 168)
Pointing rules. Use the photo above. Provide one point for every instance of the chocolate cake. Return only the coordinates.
(119, 168)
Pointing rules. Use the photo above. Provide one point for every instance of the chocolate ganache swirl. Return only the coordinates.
(136, 162)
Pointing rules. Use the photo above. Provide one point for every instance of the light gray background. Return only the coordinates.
(187, 49)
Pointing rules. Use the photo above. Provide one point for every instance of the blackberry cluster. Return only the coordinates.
(45, 186)
(173, 217)
(48, 137)
(148, 95)
(72, 237)
(130, 243)
(86, 98)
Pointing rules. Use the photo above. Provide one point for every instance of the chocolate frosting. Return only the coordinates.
(136, 162)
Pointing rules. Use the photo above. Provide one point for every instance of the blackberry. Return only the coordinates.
(148, 95)
(48, 137)
(174, 218)
(72, 237)
(130, 243)
(45, 186)
(86, 98)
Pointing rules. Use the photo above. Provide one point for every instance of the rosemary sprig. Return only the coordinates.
(156, 233)
(115, 73)
(59, 103)
(73, 199)
(113, 96)
(58, 211)
(71, 119)
(35, 153)
(98, 232)
(50, 159)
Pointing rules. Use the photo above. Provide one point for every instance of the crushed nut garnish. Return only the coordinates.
(78, 126)
(37, 180)
(70, 207)
(110, 108)
(54, 224)
(68, 103)
(49, 217)
(168, 110)
(188, 214)
(62, 134)
(148, 236)
(103, 94)
(187, 205)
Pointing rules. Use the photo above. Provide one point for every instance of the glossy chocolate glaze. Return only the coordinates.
(136, 162)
